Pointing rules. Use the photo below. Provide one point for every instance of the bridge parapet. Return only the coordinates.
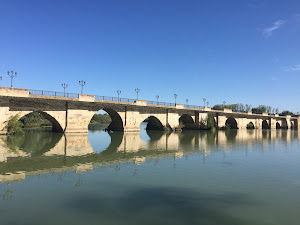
(228, 110)
(207, 109)
(86, 98)
(140, 102)
(14, 92)
(179, 106)
(265, 114)
(249, 113)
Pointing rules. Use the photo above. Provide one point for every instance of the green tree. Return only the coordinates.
(14, 125)
(101, 119)
(286, 112)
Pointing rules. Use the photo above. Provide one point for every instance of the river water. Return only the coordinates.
(193, 177)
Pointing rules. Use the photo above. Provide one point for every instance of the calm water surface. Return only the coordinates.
(236, 177)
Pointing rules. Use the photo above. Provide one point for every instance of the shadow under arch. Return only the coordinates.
(187, 121)
(56, 127)
(231, 122)
(153, 123)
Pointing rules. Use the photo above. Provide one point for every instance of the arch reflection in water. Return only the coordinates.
(38, 153)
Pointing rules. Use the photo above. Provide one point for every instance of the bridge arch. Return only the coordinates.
(187, 120)
(250, 125)
(265, 124)
(278, 125)
(232, 123)
(292, 124)
(56, 126)
(284, 124)
(116, 123)
(153, 123)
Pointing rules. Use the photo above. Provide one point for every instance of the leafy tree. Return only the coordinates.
(286, 112)
(34, 120)
(14, 125)
(101, 119)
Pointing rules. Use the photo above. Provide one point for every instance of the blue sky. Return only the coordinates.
(238, 51)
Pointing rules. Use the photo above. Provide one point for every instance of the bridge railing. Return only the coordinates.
(114, 99)
(160, 103)
(53, 93)
(194, 106)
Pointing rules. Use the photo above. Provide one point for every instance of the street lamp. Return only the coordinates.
(64, 86)
(12, 75)
(157, 97)
(118, 92)
(175, 96)
(204, 100)
(187, 101)
(224, 102)
(81, 83)
(207, 103)
(137, 90)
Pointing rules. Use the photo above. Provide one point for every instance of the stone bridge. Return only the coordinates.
(73, 112)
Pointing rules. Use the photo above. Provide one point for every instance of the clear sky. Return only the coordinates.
(238, 51)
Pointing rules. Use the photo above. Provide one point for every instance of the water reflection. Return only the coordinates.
(38, 153)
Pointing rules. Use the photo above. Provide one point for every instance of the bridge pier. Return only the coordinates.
(272, 123)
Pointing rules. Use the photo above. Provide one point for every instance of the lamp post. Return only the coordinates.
(187, 101)
(157, 97)
(224, 102)
(64, 86)
(11, 75)
(118, 92)
(204, 100)
(175, 96)
(137, 90)
(207, 103)
(81, 83)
